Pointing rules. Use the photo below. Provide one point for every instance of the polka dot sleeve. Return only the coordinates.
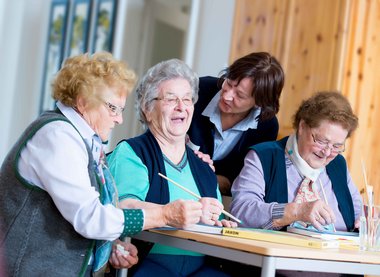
(133, 222)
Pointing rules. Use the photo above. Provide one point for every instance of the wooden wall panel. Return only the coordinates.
(304, 35)
(313, 38)
(259, 26)
(322, 45)
(361, 84)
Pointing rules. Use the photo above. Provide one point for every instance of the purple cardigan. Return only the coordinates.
(248, 193)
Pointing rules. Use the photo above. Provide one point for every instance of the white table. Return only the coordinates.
(269, 256)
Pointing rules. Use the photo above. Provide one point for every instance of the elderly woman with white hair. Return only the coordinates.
(165, 101)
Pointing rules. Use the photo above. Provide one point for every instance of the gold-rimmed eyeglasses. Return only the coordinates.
(324, 145)
(114, 110)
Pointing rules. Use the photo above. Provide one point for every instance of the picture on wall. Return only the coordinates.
(104, 25)
(75, 27)
(79, 27)
(54, 49)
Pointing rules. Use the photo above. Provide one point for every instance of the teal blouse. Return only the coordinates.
(132, 181)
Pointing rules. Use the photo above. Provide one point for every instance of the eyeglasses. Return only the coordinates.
(323, 145)
(174, 100)
(114, 110)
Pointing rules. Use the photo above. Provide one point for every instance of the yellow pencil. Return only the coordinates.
(197, 196)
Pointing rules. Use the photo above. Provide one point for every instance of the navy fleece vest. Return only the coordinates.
(272, 157)
(147, 148)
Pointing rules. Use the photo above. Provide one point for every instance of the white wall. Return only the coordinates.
(23, 32)
(214, 34)
(130, 39)
(22, 36)
(209, 37)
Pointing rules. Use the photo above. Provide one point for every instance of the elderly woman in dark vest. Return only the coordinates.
(165, 101)
(285, 181)
(59, 211)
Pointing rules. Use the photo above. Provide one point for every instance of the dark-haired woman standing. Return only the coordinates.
(235, 112)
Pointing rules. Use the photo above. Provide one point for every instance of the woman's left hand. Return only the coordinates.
(318, 213)
(226, 223)
(211, 210)
(119, 260)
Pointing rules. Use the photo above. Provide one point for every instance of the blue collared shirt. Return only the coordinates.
(225, 141)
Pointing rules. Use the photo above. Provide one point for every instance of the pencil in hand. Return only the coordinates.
(197, 196)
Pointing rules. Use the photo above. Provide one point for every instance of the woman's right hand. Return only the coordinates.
(182, 213)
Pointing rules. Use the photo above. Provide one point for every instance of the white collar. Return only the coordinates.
(77, 120)
(87, 133)
(302, 166)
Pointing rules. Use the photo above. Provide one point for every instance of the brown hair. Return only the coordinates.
(84, 74)
(267, 76)
(331, 106)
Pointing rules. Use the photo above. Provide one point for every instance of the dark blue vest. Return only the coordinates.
(272, 157)
(147, 148)
(201, 132)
